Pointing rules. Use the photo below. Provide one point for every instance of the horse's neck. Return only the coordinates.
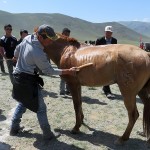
(59, 47)
(54, 53)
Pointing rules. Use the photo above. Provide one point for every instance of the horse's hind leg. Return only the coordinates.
(76, 96)
(130, 104)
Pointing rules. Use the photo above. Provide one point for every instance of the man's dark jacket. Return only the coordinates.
(102, 41)
(25, 90)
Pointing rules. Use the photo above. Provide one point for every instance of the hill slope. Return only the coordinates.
(140, 27)
(80, 29)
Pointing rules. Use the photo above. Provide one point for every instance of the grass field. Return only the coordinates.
(105, 120)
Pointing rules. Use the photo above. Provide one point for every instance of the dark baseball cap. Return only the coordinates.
(47, 31)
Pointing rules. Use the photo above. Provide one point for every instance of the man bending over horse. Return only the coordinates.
(26, 91)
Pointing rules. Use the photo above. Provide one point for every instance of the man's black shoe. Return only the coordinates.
(62, 93)
(15, 131)
(68, 93)
(51, 135)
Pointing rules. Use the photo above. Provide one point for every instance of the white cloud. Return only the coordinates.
(135, 20)
(146, 20)
(143, 20)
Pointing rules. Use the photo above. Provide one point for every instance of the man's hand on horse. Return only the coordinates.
(72, 71)
(77, 69)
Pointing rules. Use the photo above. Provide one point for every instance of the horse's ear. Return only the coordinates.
(35, 29)
(59, 35)
(62, 36)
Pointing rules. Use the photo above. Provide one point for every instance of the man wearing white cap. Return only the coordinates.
(107, 39)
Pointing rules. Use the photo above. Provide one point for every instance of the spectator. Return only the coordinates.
(86, 42)
(26, 91)
(64, 89)
(23, 34)
(7, 46)
(107, 39)
(2, 63)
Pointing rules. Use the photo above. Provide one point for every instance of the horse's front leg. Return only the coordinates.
(75, 90)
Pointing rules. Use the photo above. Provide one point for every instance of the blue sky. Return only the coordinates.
(96, 11)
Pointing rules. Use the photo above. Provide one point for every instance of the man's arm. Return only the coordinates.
(2, 52)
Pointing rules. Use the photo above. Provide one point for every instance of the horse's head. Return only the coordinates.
(69, 41)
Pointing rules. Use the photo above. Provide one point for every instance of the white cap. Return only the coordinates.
(108, 28)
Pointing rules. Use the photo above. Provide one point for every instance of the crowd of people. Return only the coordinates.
(8, 43)
(22, 57)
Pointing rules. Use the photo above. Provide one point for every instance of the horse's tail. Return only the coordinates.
(144, 94)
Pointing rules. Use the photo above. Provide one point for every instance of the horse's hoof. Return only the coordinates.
(119, 141)
(75, 131)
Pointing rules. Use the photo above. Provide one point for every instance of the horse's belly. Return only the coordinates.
(96, 77)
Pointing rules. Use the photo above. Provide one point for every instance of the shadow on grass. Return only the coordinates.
(4, 146)
(85, 99)
(89, 100)
(53, 144)
(96, 137)
(50, 94)
(2, 117)
(139, 100)
(120, 97)
(1, 111)
(100, 138)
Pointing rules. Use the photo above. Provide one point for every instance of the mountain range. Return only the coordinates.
(140, 27)
(126, 32)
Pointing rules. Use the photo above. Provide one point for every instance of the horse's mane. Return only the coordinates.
(72, 41)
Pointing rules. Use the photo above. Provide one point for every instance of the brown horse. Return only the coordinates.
(126, 65)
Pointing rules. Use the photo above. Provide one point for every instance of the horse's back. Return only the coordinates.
(109, 63)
